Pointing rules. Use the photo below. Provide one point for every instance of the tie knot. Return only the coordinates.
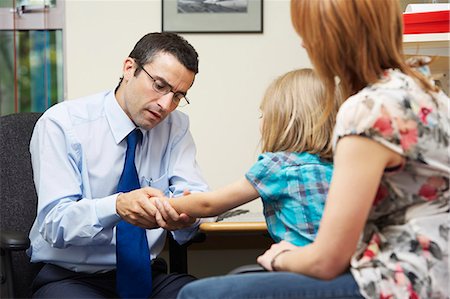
(134, 138)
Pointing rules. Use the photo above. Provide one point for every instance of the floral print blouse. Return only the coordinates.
(403, 251)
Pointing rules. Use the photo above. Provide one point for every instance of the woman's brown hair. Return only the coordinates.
(354, 40)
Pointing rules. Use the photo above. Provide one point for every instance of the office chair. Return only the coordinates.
(251, 268)
(18, 202)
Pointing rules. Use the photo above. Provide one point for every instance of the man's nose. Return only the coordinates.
(165, 101)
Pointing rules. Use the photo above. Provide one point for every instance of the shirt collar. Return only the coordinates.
(119, 122)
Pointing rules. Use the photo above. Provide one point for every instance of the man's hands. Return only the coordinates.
(147, 208)
(136, 208)
(168, 218)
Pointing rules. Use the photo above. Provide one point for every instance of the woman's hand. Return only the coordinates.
(271, 258)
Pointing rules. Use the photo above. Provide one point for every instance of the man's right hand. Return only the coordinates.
(136, 208)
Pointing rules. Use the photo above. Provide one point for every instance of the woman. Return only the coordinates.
(384, 231)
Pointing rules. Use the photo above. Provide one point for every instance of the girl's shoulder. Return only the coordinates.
(284, 159)
(280, 168)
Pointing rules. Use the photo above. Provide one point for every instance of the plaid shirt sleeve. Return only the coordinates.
(293, 187)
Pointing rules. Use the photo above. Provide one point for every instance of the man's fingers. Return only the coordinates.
(161, 209)
(160, 220)
(171, 211)
(142, 221)
(149, 208)
(152, 192)
(185, 218)
(188, 220)
(148, 211)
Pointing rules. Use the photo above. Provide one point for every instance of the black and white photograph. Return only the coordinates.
(212, 6)
(212, 16)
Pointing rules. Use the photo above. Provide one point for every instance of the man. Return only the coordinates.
(78, 150)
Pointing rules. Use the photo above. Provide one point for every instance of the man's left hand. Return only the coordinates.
(168, 218)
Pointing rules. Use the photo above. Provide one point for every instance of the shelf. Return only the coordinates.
(435, 45)
(428, 37)
(432, 44)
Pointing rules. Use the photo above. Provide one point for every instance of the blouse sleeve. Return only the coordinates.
(380, 117)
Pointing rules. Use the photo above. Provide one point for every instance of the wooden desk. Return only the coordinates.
(233, 235)
(219, 236)
(233, 227)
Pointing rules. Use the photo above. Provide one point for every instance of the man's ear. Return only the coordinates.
(129, 67)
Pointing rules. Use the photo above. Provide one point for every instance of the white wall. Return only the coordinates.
(235, 69)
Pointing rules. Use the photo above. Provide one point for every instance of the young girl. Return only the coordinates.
(292, 175)
(387, 210)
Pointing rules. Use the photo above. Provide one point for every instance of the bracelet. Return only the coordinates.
(272, 262)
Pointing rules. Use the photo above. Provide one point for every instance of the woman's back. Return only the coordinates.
(407, 229)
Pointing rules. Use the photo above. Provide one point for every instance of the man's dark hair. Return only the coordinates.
(151, 44)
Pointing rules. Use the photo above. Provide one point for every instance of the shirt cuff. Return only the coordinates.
(106, 210)
(185, 234)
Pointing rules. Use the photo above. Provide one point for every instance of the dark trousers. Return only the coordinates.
(56, 282)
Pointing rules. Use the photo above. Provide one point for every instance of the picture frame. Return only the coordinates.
(212, 16)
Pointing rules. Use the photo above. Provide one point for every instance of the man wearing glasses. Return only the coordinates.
(97, 160)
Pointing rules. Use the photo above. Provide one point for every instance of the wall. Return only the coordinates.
(234, 72)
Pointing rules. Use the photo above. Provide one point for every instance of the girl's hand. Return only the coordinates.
(272, 256)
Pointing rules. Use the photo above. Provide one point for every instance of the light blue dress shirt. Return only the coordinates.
(78, 151)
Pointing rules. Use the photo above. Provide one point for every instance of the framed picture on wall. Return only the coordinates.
(212, 16)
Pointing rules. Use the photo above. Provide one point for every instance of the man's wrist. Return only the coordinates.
(117, 202)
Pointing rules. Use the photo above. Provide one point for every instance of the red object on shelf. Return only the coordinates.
(426, 22)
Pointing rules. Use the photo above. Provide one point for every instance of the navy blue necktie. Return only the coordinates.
(134, 275)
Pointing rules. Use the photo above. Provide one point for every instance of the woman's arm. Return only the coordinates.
(358, 167)
(206, 204)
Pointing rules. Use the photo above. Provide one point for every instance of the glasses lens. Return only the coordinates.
(161, 87)
(181, 101)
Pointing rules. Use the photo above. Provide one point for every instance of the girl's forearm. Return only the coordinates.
(195, 205)
(207, 204)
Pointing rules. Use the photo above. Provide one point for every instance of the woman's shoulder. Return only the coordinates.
(395, 95)
(393, 89)
(395, 111)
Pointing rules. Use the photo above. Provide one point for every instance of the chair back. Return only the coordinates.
(18, 199)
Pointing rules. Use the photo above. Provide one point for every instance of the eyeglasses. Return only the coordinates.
(162, 87)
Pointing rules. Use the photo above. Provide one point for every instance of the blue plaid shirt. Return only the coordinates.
(293, 188)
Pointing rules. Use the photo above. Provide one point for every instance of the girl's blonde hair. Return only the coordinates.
(355, 40)
(292, 107)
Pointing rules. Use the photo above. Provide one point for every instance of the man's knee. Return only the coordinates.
(67, 289)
